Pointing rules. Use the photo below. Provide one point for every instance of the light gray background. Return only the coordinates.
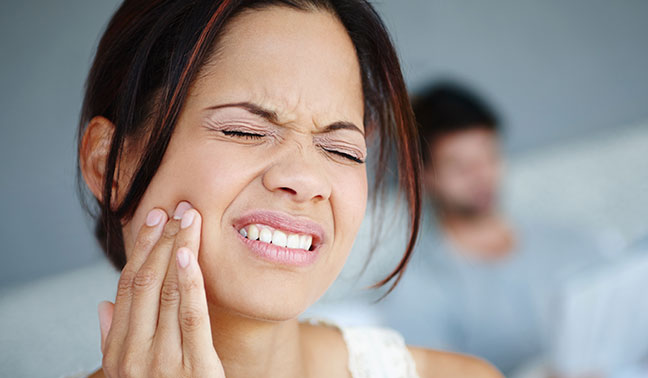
(557, 71)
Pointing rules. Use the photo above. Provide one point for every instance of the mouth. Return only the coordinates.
(267, 234)
(280, 238)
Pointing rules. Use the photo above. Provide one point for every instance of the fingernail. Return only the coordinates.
(154, 217)
(187, 219)
(180, 209)
(183, 257)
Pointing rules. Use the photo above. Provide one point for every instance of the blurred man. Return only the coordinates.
(479, 282)
(462, 171)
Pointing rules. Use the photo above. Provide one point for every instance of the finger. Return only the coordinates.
(146, 240)
(197, 345)
(105, 310)
(168, 331)
(147, 285)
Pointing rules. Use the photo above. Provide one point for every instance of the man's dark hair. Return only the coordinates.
(446, 108)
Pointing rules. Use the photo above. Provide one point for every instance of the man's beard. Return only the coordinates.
(467, 211)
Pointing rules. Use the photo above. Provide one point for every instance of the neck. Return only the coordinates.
(485, 236)
(256, 348)
(473, 221)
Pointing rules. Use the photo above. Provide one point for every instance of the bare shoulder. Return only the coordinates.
(432, 364)
(97, 374)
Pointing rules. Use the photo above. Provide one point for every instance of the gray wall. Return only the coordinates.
(46, 48)
(555, 69)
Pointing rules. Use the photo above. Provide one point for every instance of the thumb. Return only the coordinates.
(105, 310)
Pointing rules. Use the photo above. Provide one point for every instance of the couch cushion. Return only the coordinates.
(50, 327)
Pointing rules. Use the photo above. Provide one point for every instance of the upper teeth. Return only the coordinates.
(280, 238)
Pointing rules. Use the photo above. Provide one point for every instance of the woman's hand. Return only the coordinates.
(159, 324)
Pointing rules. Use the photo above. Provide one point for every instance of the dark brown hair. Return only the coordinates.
(446, 108)
(151, 52)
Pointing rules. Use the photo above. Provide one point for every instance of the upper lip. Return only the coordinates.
(282, 221)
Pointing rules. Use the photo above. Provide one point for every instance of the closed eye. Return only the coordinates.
(246, 135)
(345, 155)
(242, 134)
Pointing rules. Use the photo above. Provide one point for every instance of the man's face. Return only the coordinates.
(464, 171)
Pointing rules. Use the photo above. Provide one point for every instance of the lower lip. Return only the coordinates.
(280, 255)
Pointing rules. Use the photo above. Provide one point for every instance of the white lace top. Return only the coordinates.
(374, 352)
(377, 353)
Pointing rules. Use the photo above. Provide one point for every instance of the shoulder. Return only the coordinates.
(433, 364)
(368, 351)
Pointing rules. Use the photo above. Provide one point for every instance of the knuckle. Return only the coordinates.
(191, 318)
(108, 364)
(125, 371)
(125, 283)
(129, 366)
(170, 294)
(144, 279)
(182, 242)
(164, 360)
(161, 368)
(158, 370)
(145, 242)
(191, 284)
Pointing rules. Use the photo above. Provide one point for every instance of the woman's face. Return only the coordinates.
(269, 138)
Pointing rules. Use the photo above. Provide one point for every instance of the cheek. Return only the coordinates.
(201, 175)
(211, 179)
(452, 177)
(349, 201)
(495, 173)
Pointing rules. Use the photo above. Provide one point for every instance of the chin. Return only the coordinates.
(257, 307)
(259, 300)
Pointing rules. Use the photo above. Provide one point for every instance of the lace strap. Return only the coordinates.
(378, 352)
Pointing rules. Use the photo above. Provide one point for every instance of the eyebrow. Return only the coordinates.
(271, 116)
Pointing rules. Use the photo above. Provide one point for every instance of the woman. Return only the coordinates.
(248, 121)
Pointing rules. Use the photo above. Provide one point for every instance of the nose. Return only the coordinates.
(298, 175)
